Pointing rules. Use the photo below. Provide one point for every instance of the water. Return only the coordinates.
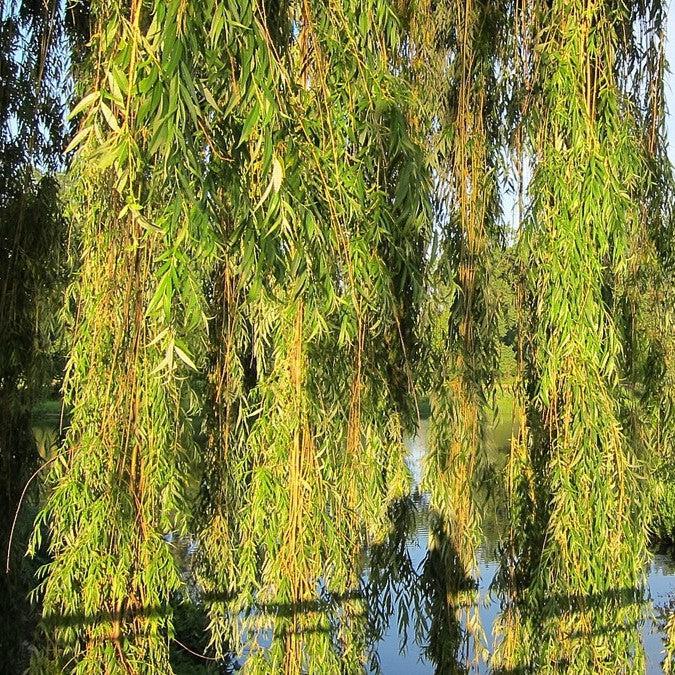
(661, 585)
(395, 596)
(393, 661)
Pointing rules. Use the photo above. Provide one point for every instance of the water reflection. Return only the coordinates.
(437, 646)
(399, 622)
(399, 617)
(523, 634)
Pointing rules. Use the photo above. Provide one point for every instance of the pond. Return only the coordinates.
(661, 590)
(396, 633)
(394, 661)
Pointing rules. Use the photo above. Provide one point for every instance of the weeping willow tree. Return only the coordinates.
(252, 162)
(252, 198)
(145, 243)
(315, 339)
(652, 345)
(456, 69)
(649, 308)
(651, 339)
(578, 467)
(32, 38)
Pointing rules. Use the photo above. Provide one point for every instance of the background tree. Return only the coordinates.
(32, 128)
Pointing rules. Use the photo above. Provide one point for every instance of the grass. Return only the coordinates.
(47, 412)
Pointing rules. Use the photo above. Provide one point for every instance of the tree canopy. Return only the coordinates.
(258, 233)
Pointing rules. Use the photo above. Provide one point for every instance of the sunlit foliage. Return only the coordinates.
(314, 340)
(579, 471)
(252, 163)
(284, 225)
(140, 223)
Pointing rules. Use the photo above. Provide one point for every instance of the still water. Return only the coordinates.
(661, 588)
(411, 660)
(397, 626)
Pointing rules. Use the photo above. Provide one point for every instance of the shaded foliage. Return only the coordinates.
(32, 128)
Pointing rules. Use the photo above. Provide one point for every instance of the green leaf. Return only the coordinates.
(80, 137)
(84, 104)
(110, 117)
(250, 123)
(211, 100)
(184, 357)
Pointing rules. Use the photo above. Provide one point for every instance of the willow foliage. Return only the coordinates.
(314, 346)
(145, 243)
(221, 171)
(669, 662)
(284, 213)
(650, 340)
(578, 471)
(456, 69)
